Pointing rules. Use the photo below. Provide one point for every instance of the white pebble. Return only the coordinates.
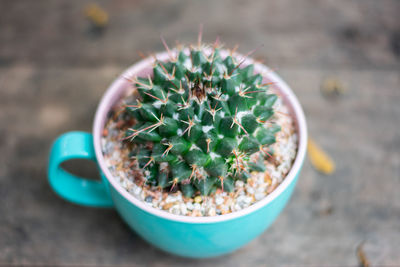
(261, 189)
(239, 183)
(116, 154)
(202, 209)
(170, 199)
(137, 190)
(189, 206)
(197, 206)
(219, 200)
(248, 200)
(175, 210)
(237, 207)
(259, 195)
(240, 199)
(183, 208)
(211, 212)
(224, 208)
(250, 190)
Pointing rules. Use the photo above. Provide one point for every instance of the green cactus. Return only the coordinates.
(199, 119)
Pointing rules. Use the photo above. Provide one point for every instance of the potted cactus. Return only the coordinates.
(193, 144)
(200, 124)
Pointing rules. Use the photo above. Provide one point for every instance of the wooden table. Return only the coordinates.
(54, 69)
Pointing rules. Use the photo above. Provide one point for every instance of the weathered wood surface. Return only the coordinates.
(53, 72)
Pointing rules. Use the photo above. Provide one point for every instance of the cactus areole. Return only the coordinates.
(199, 119)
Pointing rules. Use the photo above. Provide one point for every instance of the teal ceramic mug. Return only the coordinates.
(196, 237)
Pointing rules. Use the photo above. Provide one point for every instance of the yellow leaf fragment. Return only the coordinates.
(362, 259)
(332, 87)
(321, 161)
(97, 15)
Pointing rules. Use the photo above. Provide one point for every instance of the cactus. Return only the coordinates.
(199, 118)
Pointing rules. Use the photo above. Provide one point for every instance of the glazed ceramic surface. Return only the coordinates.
(197, 237)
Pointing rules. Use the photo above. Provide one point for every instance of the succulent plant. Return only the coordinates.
(200, 117)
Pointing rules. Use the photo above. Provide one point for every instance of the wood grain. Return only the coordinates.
(53, 71)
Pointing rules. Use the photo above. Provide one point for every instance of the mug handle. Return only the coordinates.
(76, 145)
